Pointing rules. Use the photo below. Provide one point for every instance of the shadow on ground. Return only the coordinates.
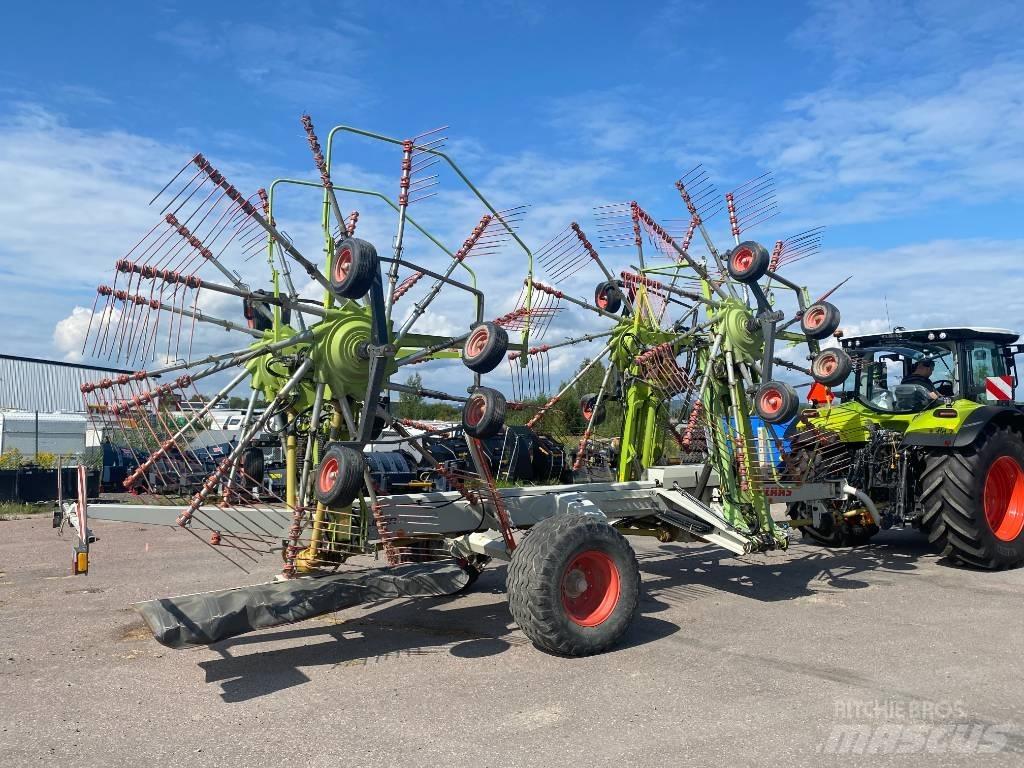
(672, 575)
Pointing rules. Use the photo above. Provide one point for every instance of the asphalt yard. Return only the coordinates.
(885, 655)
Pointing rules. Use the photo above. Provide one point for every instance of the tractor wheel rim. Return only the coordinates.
(814, 318)
(475, 411)
(827, 364)
(342, 264)
(771, 401)
(477, 341)
(742, 259)
(328, 474)
(602, 299)
(1004, 498)
(590, 588)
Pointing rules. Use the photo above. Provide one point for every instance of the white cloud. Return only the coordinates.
(70, 333)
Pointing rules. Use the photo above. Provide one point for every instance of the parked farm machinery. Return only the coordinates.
(690, 347)
(942, 452)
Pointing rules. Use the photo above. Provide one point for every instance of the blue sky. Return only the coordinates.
(897, 125)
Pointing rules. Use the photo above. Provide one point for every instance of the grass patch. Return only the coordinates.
(10, 510)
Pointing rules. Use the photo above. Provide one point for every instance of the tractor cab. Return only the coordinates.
(904, 372)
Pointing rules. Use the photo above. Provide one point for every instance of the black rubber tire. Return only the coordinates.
(492, 341)
(952, 499)
(831, 367)
(258, 321)
(483, 415)
(253, 466)
(536, 576)
(841, 534)
(353, 267)
(587, 405)
(819, 321)
(748, 262)
(776, 402)
(346, 465)
(608, 296)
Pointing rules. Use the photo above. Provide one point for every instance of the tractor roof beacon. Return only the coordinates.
(943, 451)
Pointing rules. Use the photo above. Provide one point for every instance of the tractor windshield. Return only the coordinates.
(906, 377)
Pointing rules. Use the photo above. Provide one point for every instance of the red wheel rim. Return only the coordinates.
(477, 341)
(602, 299)
(1004, 498)
(826, 364)
(771, 402)
(814, 318)
(588, 412)
(328, 474)
(475, 410)
(590, 588)
(742, 259)
(342, 264)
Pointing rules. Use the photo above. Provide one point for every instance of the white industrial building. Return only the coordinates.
(41, 406)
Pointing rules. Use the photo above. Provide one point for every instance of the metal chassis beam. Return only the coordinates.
(665, 494)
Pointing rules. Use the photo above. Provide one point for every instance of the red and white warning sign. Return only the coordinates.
(999, 388)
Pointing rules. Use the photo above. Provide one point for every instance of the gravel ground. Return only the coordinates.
(887, 655)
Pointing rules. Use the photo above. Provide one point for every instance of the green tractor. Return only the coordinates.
(923, 423)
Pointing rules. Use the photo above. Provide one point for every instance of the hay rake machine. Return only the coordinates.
(690, 349)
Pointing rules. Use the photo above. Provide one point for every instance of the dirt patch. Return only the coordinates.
(134, 632)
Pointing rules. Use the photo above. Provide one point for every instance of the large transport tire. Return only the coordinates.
(573, 584)
(972, 500)
(339, 476)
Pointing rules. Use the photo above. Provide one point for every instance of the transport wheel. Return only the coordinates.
(831, 367)
(353, 268)
(776, 402)
(485, 348)
(573, 584)
(820, 320)
(483, 415)
(339, 476)
(973, 500)
(587, 403)
(608, 297)
(253, 467)
(834, 532)
(748, 262)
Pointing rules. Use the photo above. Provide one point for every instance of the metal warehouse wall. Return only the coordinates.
(32, 384)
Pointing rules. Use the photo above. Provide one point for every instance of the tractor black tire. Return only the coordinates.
(748, 262)
(339, 476)
(587, 408)
(253, 466)
(483, 415)
(840, 534)
(776, 402)
(353, 267)
(820, 320)
(608, 296)
(972, 500)
(573, 584)
(485, 348)
(831, 367)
